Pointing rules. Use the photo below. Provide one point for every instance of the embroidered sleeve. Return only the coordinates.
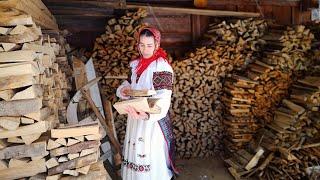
(162, 80)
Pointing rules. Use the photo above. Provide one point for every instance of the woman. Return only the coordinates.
(148, 150)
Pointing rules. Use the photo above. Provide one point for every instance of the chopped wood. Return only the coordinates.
(18, 162)
(17, 56)
(12, 82)
(61, 141)
(41, 127)
(6, 94)
(84, 170)
(52, 162)
(62, 159)
(75, 163)
(28, 139)
(21, 151)
(72, 132)
(73, 156)
(19, 107)
(53, 145)
(75, 148)
(10, 123)
(88, 151)
(31, 169)
(34, 91)
(72, 141)
(71, 172)
(19, 29)
(54, 177)
(9, 46)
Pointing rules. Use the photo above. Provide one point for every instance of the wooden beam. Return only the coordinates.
(22, 151)
(19, 107)
(204, 12)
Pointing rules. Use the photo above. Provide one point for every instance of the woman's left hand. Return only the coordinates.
(136, 115)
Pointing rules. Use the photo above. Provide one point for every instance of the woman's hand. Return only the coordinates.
(125, 90)
(136, 115)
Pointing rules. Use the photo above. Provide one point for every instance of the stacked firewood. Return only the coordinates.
(74, 150)
(289, 146)
(238, 99)
(114, 49)
(289, 49)
(195, 105)
(32, 88)
(272, 87)
(238, 39)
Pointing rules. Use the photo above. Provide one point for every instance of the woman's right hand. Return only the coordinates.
(125, 90)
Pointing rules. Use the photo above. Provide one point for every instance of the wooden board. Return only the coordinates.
(17, 69)
(17, 56)
(41, 127)
(71, 132)
(21, 151)
(20, 107)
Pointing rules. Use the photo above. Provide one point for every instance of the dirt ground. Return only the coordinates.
(203, 169)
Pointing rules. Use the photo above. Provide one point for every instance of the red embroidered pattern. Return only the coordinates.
(162, 80)
(136, 167)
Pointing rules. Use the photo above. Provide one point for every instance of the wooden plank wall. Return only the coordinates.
(180, 31)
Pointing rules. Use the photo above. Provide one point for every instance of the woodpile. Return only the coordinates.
(32, 88)
(289, 145)
(196, 106)
(289, 49)
(74, 151)
(28, 9)
(238, 40)
(238, 119)
(115, 48)
(196, 109)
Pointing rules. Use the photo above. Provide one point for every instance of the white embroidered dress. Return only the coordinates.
(145, 151)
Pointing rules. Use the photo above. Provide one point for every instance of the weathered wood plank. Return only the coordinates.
(71, 132)
(17, 56)
(34, 91)
(20, 107)
(75, 163)
(75, 148)
(31, 169)
(12, 82)
(40, 127)
(21, 151)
